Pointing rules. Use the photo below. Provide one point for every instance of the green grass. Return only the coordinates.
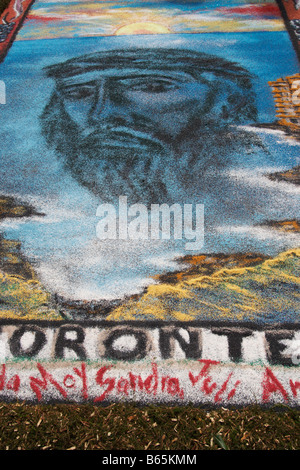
(125, 427)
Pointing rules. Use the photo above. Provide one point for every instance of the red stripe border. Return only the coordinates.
(11, 21)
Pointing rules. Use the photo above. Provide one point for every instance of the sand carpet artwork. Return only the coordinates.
(149, 202)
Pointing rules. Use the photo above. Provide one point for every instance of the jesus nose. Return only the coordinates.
(108, 105)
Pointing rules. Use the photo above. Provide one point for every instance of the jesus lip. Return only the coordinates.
(121, 137)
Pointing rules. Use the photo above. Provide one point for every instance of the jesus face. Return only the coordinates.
(131, 108)
(115, 122)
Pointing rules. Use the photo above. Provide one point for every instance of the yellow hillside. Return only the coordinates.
(269, 291)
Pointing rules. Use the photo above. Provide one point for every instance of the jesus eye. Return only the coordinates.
(78, 92)
(155, 86)
(149, 85)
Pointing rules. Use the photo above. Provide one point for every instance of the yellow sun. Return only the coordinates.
(142, 28)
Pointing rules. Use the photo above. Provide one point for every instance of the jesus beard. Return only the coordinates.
(149, 171)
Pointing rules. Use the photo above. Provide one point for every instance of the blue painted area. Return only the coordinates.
(64, 243)
(254, 51)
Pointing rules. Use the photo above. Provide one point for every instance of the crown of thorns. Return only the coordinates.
(193, 63)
